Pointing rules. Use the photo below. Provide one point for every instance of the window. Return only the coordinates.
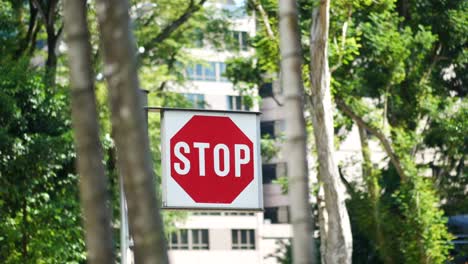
(210, 71)
(269, 173)
(222, 71)
(239, 213)
(190, 72)
(266, 90)
(277, 215)
(179, 240)
(236, 103)
(271, 213)
(194, 239)
(198, 72)
(197, 100)
(243, 238)
(268, 128)
(273, 129)
(223, 213)
(199, 239)
(238, 41)
(243, 40)
(206, 213)
(195, 72)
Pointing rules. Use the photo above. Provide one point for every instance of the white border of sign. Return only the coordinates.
(174, 197)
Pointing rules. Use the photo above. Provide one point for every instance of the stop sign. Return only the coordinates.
(210, 160)
(211, 153)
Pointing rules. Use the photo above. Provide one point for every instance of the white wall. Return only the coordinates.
(215, 257)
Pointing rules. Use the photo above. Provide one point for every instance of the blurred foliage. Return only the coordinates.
(40, 217)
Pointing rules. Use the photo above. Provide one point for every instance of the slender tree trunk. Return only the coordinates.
(32, 45)
(128, 124)
(338, 240)
(32, 24)
(296, 140)
(93, 181)
(373, 188)
(51, 62)
(48, 11)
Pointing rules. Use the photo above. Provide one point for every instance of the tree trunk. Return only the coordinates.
(338, 240)
(373, 188)
(93, 181)
(51, 62)
(32, 24)
(128, 124)
(48, 10)
(296, 140)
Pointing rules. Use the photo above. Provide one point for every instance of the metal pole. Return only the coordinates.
(124, 234)
(144, 103)
(125, 238)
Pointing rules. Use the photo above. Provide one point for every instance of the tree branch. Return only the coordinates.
(266, 21)
(346, 183)
(51, 11)
(385, 110)
(431, 66)
(382, 138)
(276, 100)
(169, 29)
(59, 32)
(427, 122)
(40, 8)
(170, 66)
(31, 27)
(344, 31)
(148, 21)
(32, 46)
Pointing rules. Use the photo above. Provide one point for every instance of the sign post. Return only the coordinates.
(211, 160)
(126, 242)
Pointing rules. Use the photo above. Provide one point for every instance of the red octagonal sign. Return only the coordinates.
(211, 159)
